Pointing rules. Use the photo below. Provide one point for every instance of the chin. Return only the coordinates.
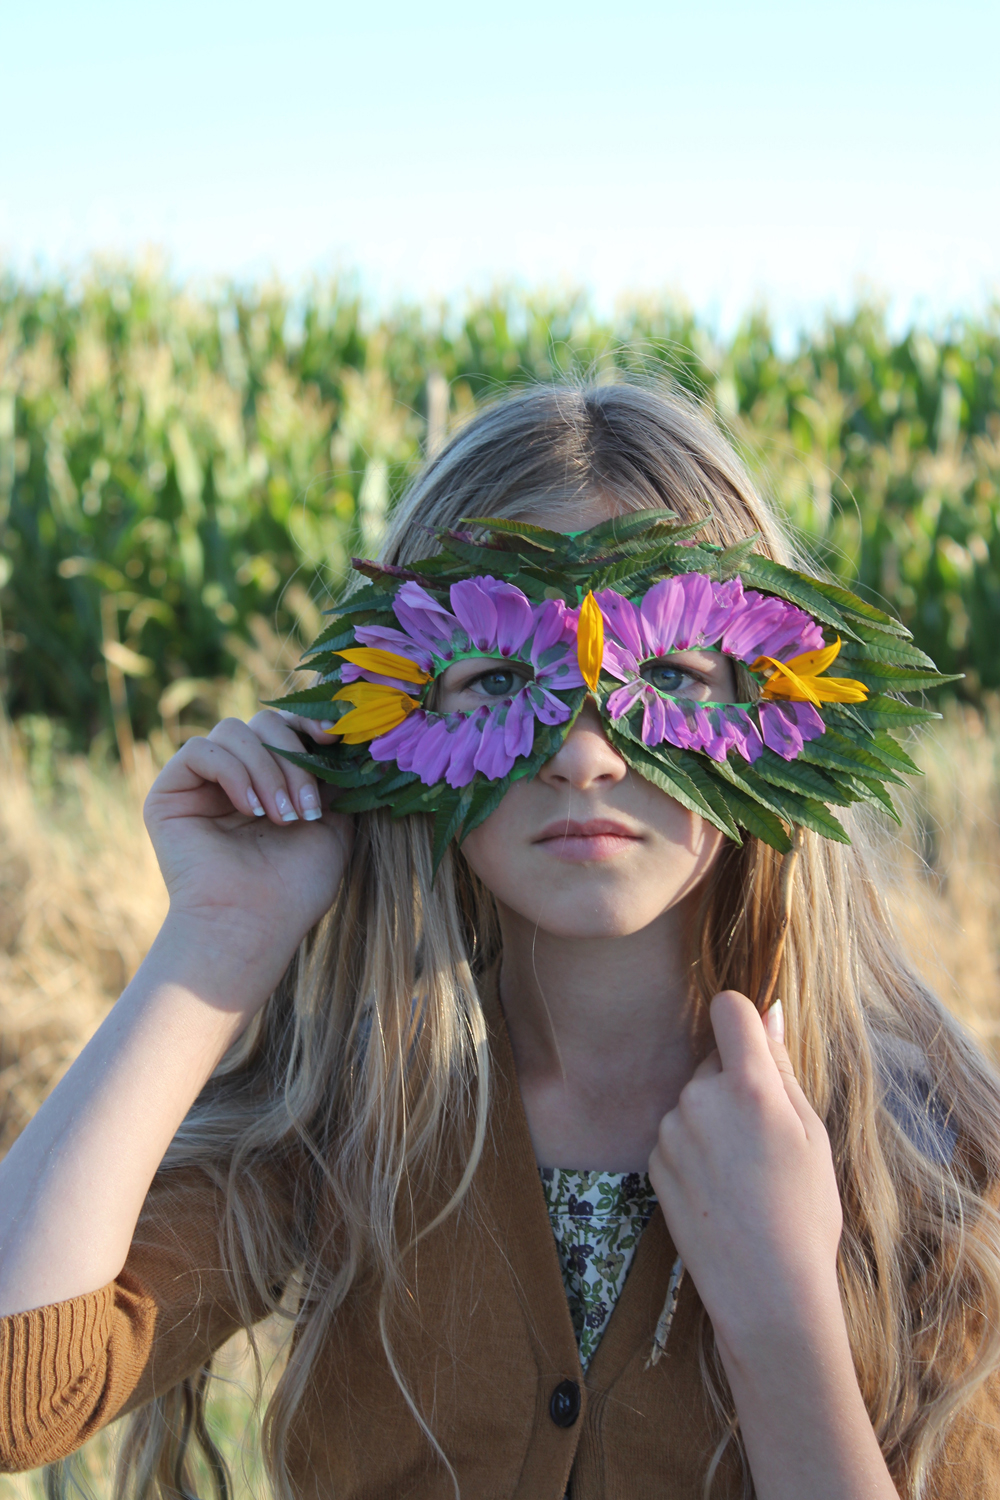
(587, 919)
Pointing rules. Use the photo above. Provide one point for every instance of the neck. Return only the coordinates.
(601, 1034)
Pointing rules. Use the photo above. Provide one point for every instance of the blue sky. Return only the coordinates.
(725, 151)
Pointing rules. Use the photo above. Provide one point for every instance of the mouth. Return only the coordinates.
(597, 839)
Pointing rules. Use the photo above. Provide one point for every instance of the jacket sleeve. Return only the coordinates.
(68, 1369)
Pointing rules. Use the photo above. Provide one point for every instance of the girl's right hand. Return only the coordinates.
(246, 840)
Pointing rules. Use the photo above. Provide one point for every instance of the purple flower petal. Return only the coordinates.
(654, 719)
(350, 672)
(662, 612)
(519, 726)
(785, 727)
(681, 728)
(623, 621)
(428, 623)
(429, 755)
(624, 699)
(383, 638)
(492, 759)
(620, 662)
(395, 745)
(744, 735)
(764, 626)
(475, 610)
(548, 708)
(464, 744)
(699, 598)
(554, 625)
(515, 616)
(728, 600)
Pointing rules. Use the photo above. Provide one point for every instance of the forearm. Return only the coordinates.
(73, 1184)
(802, 1416)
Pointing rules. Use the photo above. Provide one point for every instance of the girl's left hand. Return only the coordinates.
(744, 1174)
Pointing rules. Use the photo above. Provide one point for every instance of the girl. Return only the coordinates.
(336, 1076)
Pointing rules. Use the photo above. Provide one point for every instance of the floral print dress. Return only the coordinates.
(596, 1218)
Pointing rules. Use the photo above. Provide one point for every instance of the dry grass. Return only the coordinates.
(81, 898)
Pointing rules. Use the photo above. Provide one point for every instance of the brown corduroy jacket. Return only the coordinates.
(488, 1352)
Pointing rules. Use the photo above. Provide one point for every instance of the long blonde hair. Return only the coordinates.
(370, 1066)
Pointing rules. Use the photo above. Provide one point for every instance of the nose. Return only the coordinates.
(586, 759)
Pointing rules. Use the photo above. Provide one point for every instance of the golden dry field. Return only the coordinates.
(81, 899)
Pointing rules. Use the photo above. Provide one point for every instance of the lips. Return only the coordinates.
(566, 828)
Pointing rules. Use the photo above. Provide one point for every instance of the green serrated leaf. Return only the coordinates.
(881, 712)
(668, 777)
(879, 646)
(757, 820)
(790, 806)
(839, 753)
(312, 703)
(446, 824)
(900, 679)
(486, 798)
(872, 790)
(419, 798)
(852, 604)
(796, 588)
(360, 800)
(331, 639)
(891, 750)
(708, 785)
(793, 776)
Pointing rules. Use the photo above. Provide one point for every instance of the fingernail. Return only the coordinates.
(285, 808)
(326, 725)
(254, 804)
(309, 803)
(775, 1022)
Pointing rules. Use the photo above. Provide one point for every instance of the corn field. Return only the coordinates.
(183, 478)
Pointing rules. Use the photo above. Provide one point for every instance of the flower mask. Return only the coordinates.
(554, 618)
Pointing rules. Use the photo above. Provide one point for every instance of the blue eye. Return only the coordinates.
(499, 683)
(665, 678)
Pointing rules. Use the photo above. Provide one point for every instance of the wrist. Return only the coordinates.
(806, 1319)
(227, 961)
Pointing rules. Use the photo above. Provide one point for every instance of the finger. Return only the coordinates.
(277, 783)
(739, 1035)
(201, 761)
(709, 1066)
(323, 731)
(774, 1030)
(276, 733)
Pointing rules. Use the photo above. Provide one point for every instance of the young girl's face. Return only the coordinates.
(587, 848)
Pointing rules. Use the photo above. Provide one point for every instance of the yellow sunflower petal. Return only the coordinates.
(839, 689)
(784, 683)
(590, 641)
(385, 663)
(377, 709)
(812, 663)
